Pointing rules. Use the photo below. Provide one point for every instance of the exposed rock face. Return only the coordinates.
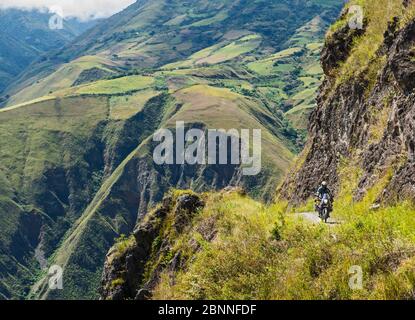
(124, 275)
(337, 50)
(341, 126)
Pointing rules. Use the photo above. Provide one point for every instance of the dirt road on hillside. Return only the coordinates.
(313, 218)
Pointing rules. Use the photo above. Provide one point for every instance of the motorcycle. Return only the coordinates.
(323, 205)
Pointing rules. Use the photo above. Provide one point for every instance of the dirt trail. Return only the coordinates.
(313, 218)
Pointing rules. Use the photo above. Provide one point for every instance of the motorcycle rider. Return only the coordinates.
(322, 190)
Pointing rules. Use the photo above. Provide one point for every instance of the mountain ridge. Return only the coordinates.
(377, 135)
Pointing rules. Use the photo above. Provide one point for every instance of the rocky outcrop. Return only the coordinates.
(91, 75)
(380, 99)
(338, 46)
(133, 266)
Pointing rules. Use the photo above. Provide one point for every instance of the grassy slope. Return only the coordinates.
(36, 140)
(135, 45)
(264, 252)
(93, 225)
(63, 78)
(221, 52)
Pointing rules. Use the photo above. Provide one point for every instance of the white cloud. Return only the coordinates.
(81, 9)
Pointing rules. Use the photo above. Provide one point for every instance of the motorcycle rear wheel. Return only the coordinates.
(325, 215)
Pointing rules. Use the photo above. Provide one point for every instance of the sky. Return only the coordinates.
(81, 9)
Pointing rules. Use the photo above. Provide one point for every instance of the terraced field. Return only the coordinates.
(219, 53)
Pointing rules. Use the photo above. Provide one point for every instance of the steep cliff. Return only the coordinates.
(364, 122)
(133, 266)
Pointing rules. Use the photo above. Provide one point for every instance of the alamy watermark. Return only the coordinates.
(56, 20)
(201, 147)
(356, 278)
(357, 16)
(55, 274)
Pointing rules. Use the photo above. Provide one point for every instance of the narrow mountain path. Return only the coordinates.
(313, 218)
